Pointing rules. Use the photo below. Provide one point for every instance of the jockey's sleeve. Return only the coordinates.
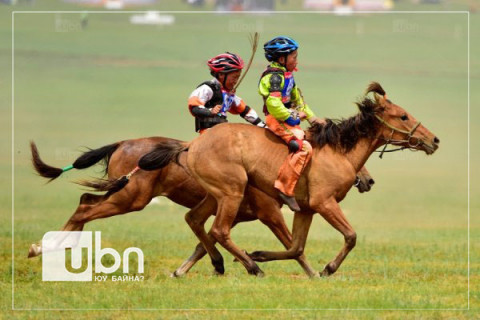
(200, 111)
(273, 97)
(197, 100)
(297, 99)
(247, 113)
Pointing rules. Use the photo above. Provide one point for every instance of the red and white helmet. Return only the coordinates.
(225, 63)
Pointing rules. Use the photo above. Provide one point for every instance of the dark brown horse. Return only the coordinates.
(173, 182)
(251, 156)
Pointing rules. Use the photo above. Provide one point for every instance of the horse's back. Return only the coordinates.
(238, 152)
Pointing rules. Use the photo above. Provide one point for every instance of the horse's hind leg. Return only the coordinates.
(226, 213)
(196, 219)
(197, 254)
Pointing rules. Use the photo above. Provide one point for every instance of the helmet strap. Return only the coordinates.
(284, 64)
(224, 80)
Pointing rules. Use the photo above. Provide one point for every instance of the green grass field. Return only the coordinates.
(115, 81)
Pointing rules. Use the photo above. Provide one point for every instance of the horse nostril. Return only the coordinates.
(371, 182)
(436, 140)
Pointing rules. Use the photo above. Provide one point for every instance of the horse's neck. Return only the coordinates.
(364, 148)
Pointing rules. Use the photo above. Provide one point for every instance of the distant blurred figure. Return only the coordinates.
(196, 3)
(84, 20)
(243, 5)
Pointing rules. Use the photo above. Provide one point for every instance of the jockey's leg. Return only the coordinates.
(293, 166)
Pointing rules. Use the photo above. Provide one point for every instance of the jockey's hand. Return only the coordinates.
(216, 109)
(302, 115)
(314, 120)
(292, 121)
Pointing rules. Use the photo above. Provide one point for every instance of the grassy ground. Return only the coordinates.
(115, 81)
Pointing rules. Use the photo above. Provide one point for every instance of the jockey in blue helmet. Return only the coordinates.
(284, 109)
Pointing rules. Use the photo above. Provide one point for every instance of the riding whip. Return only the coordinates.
(254, 43)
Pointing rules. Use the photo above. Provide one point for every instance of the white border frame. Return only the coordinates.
(245, 13)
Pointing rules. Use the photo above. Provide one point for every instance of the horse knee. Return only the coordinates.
(220, 235)
(351, 240)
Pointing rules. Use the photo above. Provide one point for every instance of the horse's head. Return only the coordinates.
(397, 126)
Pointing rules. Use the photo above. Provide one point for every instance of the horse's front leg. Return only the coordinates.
(330, 211)
(301, 226)
(87, 201)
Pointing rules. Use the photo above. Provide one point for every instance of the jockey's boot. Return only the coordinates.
(290, 202)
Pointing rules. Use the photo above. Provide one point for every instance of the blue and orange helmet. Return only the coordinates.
(278, 47)
(225, 63)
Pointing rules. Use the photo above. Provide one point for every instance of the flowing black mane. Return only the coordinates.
(343, 134)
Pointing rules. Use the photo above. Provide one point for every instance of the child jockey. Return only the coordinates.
(284, 108)
(211, 100)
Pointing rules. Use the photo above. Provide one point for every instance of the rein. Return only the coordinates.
(392, 141)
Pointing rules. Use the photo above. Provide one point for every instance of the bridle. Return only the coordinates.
(392, 141)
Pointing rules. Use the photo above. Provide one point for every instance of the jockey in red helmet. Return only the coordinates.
(211, 100)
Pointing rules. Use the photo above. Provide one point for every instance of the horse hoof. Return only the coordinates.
(176, 274)
(324, 274)
(328, 271)
(219, 269)
(33, 251)
(216, 273)
(256, 271)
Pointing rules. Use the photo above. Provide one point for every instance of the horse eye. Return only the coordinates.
(404, 117)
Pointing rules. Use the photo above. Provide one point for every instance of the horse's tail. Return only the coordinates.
(110, 185)
(86, 160)
(162, 155)
(158, 158)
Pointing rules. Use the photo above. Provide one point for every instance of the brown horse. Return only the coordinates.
(251, 156)
(172, 182)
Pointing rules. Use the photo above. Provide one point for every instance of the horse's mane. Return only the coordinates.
(343, 134)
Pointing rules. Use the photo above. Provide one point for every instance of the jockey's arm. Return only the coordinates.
(197, 100)
(246, 113)
(297, 99)
(251, 116)
(273, 96)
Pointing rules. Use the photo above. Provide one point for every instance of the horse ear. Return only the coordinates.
(375, 87)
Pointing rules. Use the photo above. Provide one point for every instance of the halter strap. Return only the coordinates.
(392, 141)
(409, 133)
